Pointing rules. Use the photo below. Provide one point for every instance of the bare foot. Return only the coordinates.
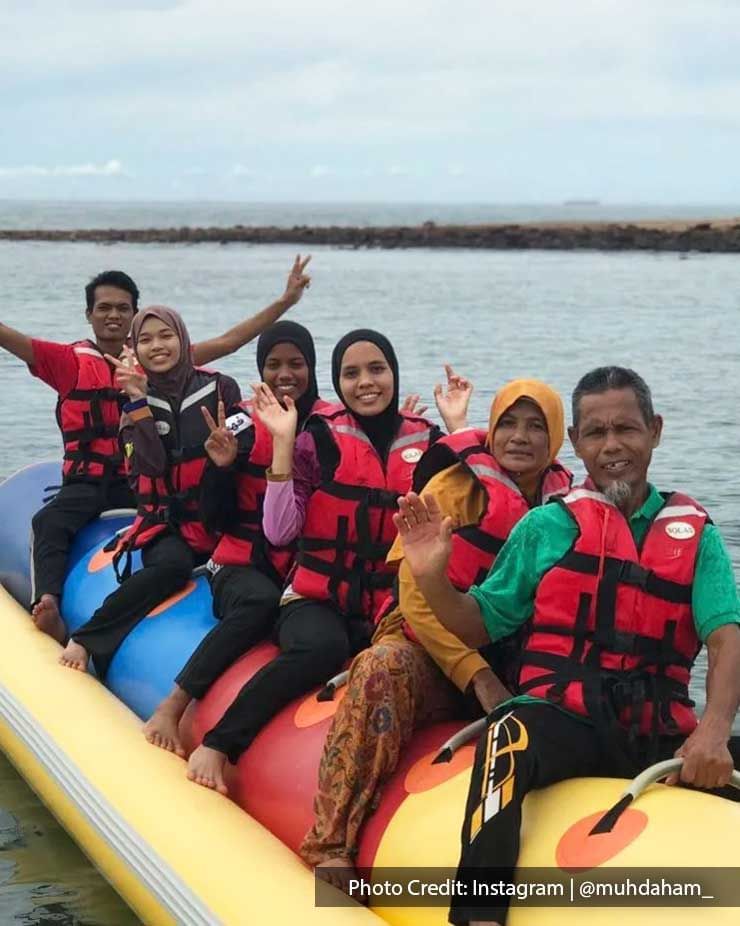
(206, 768)
(47, 618)
(162, 728)
(75, 656)
(338, 872)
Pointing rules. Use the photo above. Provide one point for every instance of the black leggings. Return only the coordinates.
(315, 640)
(558, 746)
(167, 565)
(245, 602)
(55, 525)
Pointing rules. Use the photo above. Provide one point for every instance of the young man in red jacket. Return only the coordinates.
(88, 414)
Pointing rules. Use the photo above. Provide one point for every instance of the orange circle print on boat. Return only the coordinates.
(103, 558)
(312, 711)
(173, 599)
(425, 775)
(578, 848)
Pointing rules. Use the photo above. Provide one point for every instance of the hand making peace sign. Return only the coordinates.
(221, 444)
(129, 376)
(297, 280)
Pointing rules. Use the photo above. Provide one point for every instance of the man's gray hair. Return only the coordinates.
(604, 378)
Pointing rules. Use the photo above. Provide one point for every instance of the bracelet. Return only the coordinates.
(132, 406)
(278, 477)
(140, 414)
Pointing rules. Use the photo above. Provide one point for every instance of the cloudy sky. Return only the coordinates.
(408, 100)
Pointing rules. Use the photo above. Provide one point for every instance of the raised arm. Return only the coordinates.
(426, 539)
(232, 340)
(452, 402)
(17, 343)
(294, 473)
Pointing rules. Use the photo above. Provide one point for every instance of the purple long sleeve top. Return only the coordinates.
(285, 504)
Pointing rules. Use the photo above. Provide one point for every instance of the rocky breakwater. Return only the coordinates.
(721, 236)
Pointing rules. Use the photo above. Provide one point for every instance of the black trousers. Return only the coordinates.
(558, 746)
(245, 602)
(167, 565)
(315, 640)
(55, 525)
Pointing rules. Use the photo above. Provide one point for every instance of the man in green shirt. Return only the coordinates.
(614, 591)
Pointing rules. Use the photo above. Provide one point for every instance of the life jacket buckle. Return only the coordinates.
(634, 574)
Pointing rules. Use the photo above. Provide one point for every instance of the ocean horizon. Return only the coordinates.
(44, 214)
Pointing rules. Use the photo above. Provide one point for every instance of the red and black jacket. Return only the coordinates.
(613, 635)
(171, 501)
(475, 546)
(88, 417)
(243, 541)
(349, 527)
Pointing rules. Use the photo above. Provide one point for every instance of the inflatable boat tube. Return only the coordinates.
(175, 850)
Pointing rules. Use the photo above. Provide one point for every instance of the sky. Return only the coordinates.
(522, 101)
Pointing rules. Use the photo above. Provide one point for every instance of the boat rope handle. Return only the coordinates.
(662, 770)
(654, 773)
(117, 513)
(327, 692)
(448, 749)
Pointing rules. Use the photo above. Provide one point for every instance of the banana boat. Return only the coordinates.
(181, 854)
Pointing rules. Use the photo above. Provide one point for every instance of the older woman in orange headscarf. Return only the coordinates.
(416, 672)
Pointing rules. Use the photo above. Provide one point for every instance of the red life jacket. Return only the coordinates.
(475, 546)
(349, 527)
(245, 543)
(88, 418)
(613, 636)
(170, 502)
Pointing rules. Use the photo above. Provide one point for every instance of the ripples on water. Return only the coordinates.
(44, 878)
(494, 315)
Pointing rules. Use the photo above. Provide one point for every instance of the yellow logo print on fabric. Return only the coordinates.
(504, 738)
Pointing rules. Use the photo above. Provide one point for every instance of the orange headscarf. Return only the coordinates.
(551, 406)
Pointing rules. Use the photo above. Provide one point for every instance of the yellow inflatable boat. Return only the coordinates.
(179, 854)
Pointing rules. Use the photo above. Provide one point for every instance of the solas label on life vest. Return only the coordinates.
(680, 530)
(411, 455)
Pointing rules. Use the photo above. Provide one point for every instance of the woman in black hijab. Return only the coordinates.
(334, 489)
(286, 361)
(247, 573)
(380, 426)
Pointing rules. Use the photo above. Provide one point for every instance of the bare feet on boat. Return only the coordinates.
(46, 617)
(206, 768)
(75, 656)
(338, 872)
(163, 727)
